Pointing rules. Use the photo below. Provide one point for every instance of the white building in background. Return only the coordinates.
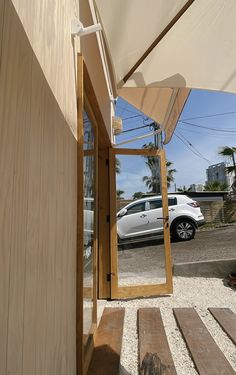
(218, 172)
(197, 187)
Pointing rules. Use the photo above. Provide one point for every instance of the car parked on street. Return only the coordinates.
(144, 218)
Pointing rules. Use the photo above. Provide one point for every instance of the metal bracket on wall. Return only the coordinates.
(77, 28)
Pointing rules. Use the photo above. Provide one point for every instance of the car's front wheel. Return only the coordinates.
(184, 230)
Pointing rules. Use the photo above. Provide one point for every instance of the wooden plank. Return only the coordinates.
(8, 94)
(103, 137)
(113, 226)
(50, 248)
(35, 271)
(208, 358)
(134, 291)
(227, 320)
(165, 213)
(136, 151)
(104, 225)
(38, 192)
(15, 90)
(80, 219)
(2, 13)
(108, 341)
(154, 351)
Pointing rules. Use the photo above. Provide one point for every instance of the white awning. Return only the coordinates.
(156, 46)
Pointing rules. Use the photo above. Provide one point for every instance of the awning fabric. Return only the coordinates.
(163, 105)
(177, 44)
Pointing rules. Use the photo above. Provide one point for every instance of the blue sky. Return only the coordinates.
(190, 167)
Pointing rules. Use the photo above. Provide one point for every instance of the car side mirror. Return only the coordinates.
(122, 212)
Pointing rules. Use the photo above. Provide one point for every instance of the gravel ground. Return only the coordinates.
(200, 293)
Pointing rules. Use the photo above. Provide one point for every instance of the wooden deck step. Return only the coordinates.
(107, 347)
(154, 351)
(208, 358)
(227, 320)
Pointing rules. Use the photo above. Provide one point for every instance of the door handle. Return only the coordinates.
(165, 218)
(172, 209)
(143, 215)
(166, 221)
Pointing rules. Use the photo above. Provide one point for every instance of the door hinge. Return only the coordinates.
(107, 161)
(109, 277)
(108, 218)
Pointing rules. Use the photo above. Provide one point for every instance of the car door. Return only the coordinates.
(134, 222)
(155, 221)
(173, 208)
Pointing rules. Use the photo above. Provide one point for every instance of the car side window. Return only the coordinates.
(155, 204)
(172, 201)
(139, 207)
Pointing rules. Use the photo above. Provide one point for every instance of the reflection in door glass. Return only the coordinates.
(141, 252)
(89, 177)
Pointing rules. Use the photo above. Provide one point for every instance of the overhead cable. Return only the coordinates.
(186, 144)
(207, 127)
(213, 115)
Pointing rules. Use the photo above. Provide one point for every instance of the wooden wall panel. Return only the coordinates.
(17, 87)
(48, 26)
(38, 216)
(33, 255)
(6, 209)
(2, 12)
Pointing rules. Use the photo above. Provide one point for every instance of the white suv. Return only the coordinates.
(144, 217)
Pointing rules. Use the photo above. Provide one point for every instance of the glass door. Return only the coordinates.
(140, 234)
(86, 281)
(89, 240)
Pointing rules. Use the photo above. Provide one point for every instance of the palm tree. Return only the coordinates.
(119, 194)
(153, 163)
(216, 186)
(229, 152)
(153, 181)
(170, 173)
(118, 165)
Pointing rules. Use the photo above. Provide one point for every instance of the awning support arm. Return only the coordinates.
(156, 41)
(77, 28)
(138, 138)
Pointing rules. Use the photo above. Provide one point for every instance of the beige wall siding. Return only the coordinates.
(48, 26)
(2, 6)
(37, 199)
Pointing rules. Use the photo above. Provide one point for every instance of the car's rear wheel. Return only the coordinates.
(184, 230)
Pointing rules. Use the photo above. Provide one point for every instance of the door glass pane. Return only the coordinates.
(141, 252)
(89, 170)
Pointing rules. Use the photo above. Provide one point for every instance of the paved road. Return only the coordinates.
(147, 258)
(211, 244)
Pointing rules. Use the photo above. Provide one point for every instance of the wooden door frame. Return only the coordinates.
(80, 219)
(85, 101)
(89, 349)
(138, 290)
